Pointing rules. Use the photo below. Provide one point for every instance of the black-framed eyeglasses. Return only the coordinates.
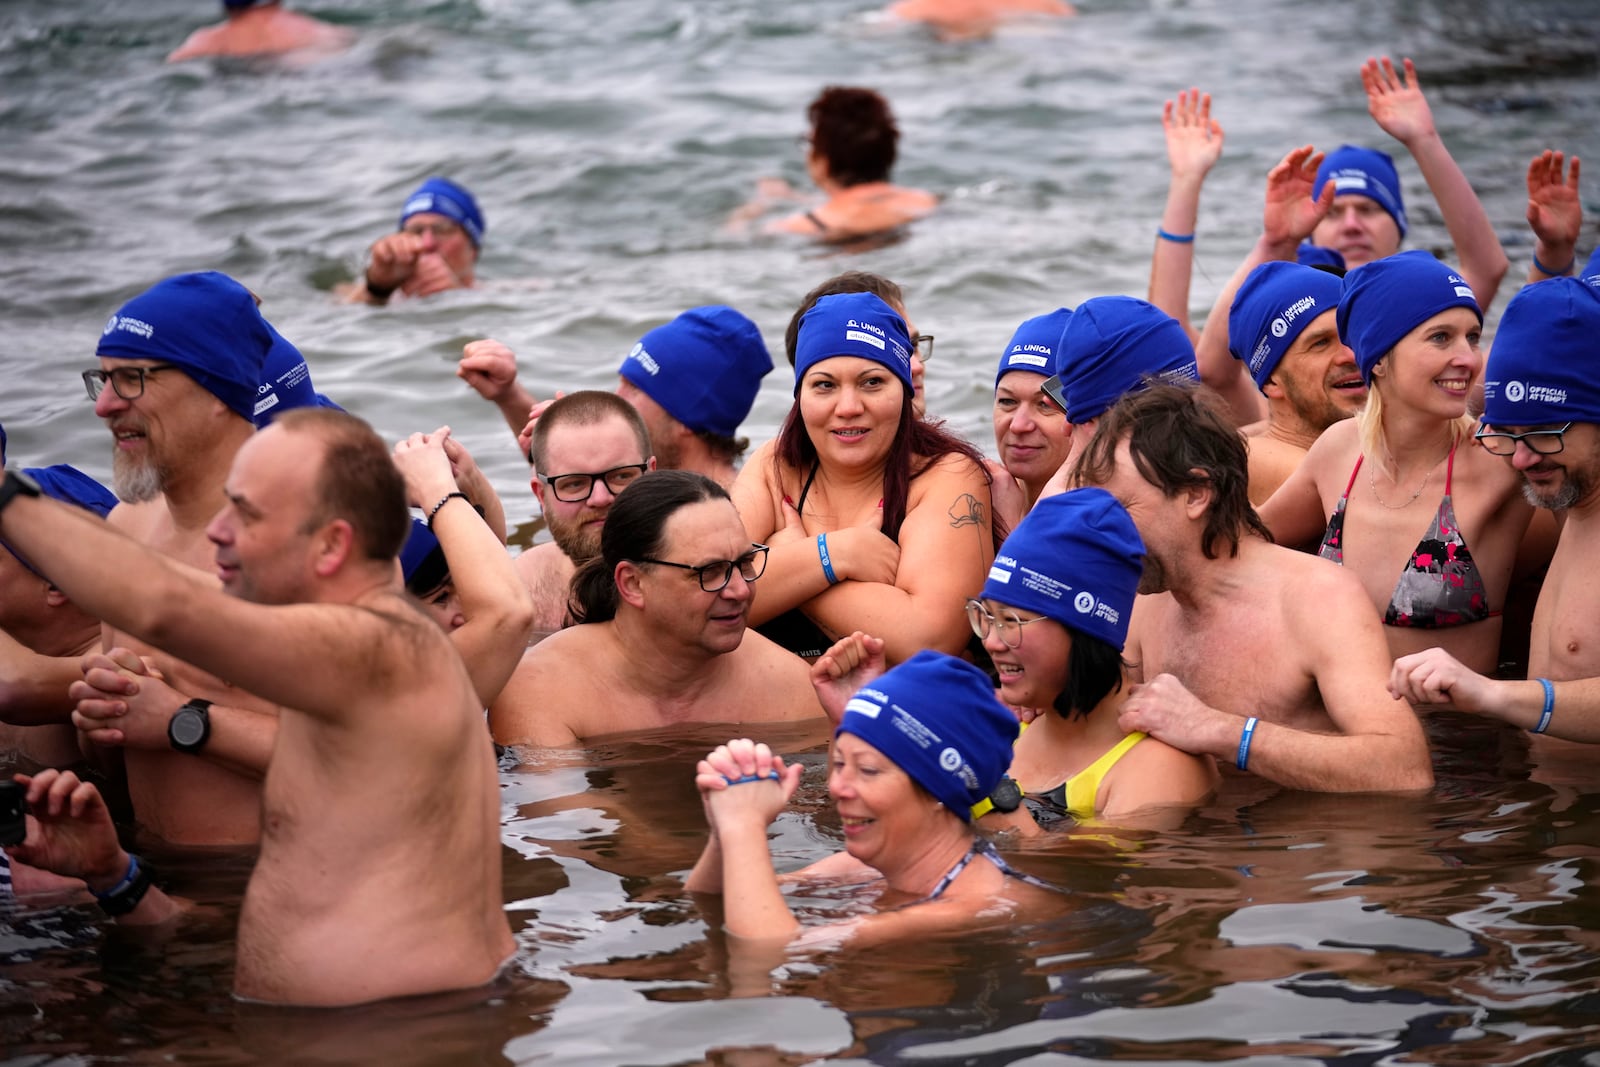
(576, 488)
(442, 229)
(126, 382)
(1008, 623)
(1544, 442)
(923, 343)
(1053, 389)
(714, 576)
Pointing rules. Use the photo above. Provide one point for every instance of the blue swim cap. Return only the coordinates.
(937, 718)
(441, 196)
(422, 560)
(1364, 172)
(853, 324)
(1388, 298)
(1591, 270)
(1110, 344)
(205, 323)
(1077, 558)
(1274, 305)
(71, 486)
(1541, 368)
(285, 383)
(1310, 255)
(1033, 347)
(704, 368)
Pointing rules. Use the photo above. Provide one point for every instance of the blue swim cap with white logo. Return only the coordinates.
(704, 368)
(1541, 368)
(1110, 345)
(441, 196)
(1363, 172)
(853, 324)
(1033, 347)
(1272, 308)
(1388, 298)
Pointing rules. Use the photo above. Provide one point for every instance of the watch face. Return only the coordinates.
(188, 728)
(1007, 796)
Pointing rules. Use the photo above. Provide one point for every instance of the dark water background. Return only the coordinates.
(607, 140)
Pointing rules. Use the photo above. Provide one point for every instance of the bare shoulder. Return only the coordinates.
(775, 678)
(1271, 463)
(537, 704)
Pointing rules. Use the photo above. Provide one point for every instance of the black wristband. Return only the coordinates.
(380, 293)
(442, 502)
(123, 897)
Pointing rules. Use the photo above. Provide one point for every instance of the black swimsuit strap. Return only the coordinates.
(800, 507)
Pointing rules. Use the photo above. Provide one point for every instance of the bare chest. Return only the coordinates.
(1237, 657)
(1565, 642)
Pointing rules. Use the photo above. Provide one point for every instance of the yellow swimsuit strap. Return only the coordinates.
(1082, 788)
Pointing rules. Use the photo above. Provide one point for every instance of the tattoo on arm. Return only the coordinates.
(966, 511)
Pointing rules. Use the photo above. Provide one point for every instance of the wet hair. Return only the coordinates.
(357, 481)
(854, 133)
(1180, 439)
(851, 281)
(1094, 669)
(635, 528)
(584, 408)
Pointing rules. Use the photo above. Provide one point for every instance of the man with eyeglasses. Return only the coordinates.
(1542, 413)
(180, 366)
(586, 448)
(435, 249)
(662, 635)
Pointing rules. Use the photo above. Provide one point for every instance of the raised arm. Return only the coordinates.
(494, 601)
(1555, 214)
(1194, 144)
(1288, 216)
(1398, 106)
(491, 369)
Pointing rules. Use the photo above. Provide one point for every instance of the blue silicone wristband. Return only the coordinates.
(1549, 705)
(827, 562)
(1243, 759)
(1175, 238)
(1562, 273)
(773, 776)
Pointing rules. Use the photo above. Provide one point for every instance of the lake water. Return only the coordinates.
(607, 141)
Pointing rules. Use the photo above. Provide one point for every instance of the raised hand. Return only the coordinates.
(392, 259)
(425, 467)
(1395, 102)
(489, 367)
(851, 663)
(1194, 138)
(1290, 213)
(1554, 211)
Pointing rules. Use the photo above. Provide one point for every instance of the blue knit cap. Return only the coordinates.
(1591, 270)
(441, 196)
(1110, 344)
(205, 323)
(1274, 305)
(853, 324)
(71, 486)
(422, 560)
(285, 383)
(1388, 298)
(1077, 558)
(1310, 255)
(1033, 346)
(1364, 172)
(1541, 368)
(937, 718)
(704, 368)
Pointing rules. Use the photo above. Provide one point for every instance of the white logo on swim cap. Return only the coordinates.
(950, 759)
(1279, 327)
(863, 707)
(1084, 602)
(1515, 391)
(111, 324)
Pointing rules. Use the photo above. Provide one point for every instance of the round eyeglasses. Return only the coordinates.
(1008, 624)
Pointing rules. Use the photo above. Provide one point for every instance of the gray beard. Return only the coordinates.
(1570, 493)
(134, 483)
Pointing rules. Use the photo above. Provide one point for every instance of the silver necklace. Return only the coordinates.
(1372, 480)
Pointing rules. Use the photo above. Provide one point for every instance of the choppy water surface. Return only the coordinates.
(607, 141)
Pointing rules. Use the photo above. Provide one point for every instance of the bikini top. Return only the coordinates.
(1440, 585)
(1076, 796)
(982, 846)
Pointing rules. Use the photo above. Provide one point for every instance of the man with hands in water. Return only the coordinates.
(1542, 413)
(1313, 715)
(435, 249)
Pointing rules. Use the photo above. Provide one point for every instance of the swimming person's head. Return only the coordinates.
(854, 138)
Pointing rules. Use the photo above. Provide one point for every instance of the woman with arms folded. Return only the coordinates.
(877, 520)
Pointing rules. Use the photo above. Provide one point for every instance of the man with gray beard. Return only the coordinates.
(1542, 412)
(180, 366)
(586, 448)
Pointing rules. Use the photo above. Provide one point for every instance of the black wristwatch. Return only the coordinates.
(1007, 796)
(190, 726)
(14, 485)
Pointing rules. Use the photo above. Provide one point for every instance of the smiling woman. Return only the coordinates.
(878, 521)
(1414, 326)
